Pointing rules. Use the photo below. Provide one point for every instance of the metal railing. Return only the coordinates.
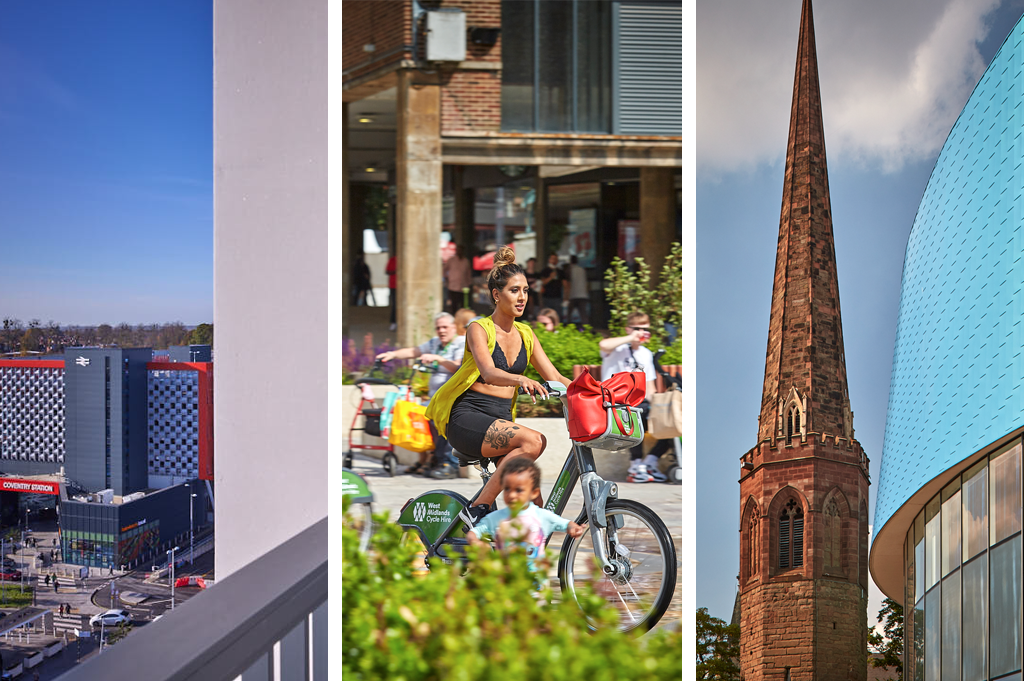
(266, 622)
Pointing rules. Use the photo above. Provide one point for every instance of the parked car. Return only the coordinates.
(8, 564)
(9, 575)
(110, 618)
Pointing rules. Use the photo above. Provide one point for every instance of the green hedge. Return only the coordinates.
(484, 625)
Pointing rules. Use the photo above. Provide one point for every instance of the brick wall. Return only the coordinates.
(471, 99)
(471, 102)
(384, 23)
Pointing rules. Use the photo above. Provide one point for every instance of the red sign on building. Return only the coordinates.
(33, 486)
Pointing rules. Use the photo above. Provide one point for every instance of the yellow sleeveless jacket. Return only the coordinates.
(440, 407)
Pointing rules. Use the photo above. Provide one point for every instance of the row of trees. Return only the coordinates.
(36, 337)
(718, 644)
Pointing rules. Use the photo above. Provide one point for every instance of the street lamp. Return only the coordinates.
(171, 565)
(191, 531)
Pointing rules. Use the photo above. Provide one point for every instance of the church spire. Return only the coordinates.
(805, 388)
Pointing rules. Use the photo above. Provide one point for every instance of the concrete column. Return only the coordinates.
(347, 257)
(418, 206)
(657, 217)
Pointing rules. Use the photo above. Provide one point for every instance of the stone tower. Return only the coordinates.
(804, 485)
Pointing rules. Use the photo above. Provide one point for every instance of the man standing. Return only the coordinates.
(579, 293)
(445, 352)
(626, 353)
(551, 277)
(391, 270)
(459, 275)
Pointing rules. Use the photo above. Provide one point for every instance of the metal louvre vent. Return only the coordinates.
(784, 542)
(798, 541)
(648, 68)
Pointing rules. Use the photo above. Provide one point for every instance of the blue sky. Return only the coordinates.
(106, 158)
(894, 76)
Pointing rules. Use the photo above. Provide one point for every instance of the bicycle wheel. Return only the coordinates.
(642, 547)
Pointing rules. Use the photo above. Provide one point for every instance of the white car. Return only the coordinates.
(110, 618)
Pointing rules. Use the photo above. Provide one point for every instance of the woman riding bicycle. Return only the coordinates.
(476, 408)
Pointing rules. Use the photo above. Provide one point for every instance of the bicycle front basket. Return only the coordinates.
(625, 429)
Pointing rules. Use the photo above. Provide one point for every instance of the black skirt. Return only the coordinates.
(472, 414)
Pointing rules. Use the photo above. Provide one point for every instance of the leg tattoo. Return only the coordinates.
(499, 437)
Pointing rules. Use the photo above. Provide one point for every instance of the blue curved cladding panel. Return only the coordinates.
(957, 365)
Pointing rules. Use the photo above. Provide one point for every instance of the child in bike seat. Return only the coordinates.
(533, 525)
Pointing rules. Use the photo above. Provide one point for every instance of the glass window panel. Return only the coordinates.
(1006, 502)
(516, 65)
(975, 618)
(919, 556)
(933, 542)
(951, 548)
(951, 628)
(919, 641)
(975, 511)
(1005, 606)
(908, 605)
(932, 624)
(593, 57)
(554, 66)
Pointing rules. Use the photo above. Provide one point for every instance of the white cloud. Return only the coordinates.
(893, 76)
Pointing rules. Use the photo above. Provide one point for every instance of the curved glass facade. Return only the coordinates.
(963, 577)
(957, 363)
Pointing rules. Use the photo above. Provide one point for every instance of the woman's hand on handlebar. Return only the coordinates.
(532, 388)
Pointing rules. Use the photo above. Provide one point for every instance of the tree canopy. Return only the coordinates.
(718, 648)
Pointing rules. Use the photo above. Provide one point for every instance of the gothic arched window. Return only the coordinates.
(792, 424)
(791, 536)
(753, 543)
(833, 536)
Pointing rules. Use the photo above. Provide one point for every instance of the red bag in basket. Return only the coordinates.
(589, 401)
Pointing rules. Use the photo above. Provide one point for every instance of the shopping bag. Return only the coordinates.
(389, 404)
(605, 415)
(665, 420)
(409, 427)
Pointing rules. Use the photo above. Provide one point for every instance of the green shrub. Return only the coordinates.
(627, 292)
(484, 625)
(567, 346)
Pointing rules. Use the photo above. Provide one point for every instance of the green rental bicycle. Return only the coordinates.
(635, 555)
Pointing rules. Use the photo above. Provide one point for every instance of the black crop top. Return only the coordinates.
(501, 362)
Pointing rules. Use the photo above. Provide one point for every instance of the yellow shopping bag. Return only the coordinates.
(409, 427)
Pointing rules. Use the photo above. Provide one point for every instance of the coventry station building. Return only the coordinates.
(947, 522)
(117, 441)
(551, 125)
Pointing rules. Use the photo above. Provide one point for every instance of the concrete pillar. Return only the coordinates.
(657, 217)
(347, 257)
(418, 206)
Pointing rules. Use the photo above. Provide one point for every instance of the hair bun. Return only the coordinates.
(504, 256)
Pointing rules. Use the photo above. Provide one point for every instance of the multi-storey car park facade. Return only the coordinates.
(948, 513)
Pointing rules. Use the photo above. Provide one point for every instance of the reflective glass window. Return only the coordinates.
(933, 542)
(554, 61)
(951, 628)
(1004, 476)
(975, 618)
(1005, 605)
(919, 556)
(932, 624)
(919, 641)
(517, 66)
(951, 548)
(975, 511)
(593, 86)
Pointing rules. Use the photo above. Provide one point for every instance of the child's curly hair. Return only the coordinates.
(520, 464)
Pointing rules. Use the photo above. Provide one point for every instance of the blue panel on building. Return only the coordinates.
(957, 364)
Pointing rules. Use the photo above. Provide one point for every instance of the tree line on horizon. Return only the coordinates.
(18, 338)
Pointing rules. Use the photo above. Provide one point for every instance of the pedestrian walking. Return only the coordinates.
(47, 580)
(111, 570)
(458, 273)
(391, 269)
(55, 587)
